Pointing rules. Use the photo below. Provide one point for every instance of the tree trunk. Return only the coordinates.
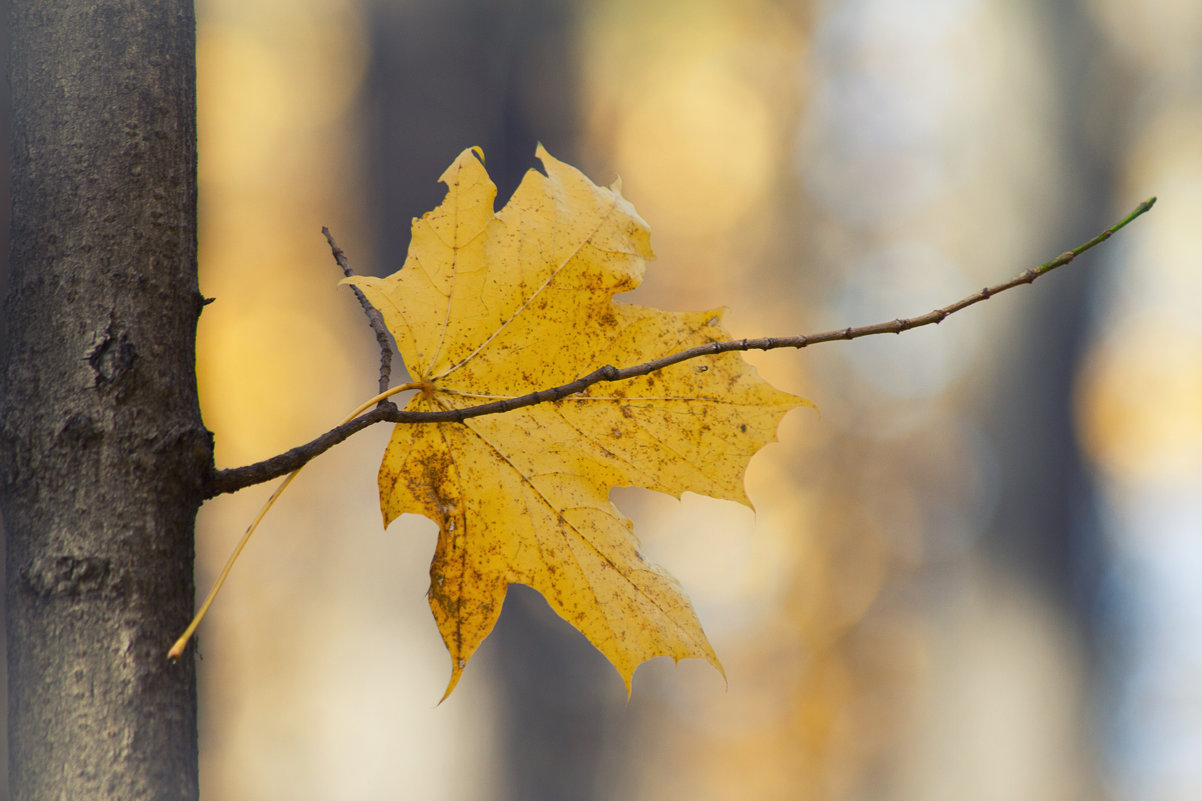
(102, 448)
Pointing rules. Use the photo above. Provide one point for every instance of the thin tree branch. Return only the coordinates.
(236, 478)
(374, 318)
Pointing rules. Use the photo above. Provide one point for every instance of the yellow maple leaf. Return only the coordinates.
(497, 305)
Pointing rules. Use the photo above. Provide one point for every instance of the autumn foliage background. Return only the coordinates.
(971, 575)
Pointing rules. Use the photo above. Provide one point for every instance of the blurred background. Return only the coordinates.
(971, 574)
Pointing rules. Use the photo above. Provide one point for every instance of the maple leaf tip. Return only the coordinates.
(456, 674)
(471, 158)
(721, 670)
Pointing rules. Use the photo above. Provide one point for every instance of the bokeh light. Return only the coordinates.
(893, 615)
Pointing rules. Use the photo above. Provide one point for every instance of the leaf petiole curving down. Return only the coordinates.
(178, 648)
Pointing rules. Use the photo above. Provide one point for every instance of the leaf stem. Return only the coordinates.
(178, 648)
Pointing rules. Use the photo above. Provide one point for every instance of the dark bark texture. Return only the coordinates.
(102, 448)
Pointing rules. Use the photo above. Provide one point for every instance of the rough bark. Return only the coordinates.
(102, 448)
